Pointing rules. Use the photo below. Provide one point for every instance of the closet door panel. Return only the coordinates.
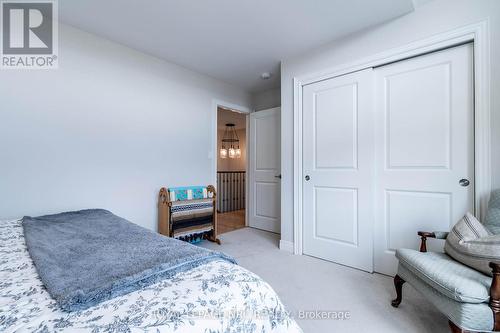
(338, 170)
(424, 147)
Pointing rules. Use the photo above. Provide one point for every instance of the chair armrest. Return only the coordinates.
(424, 235)
(495, 295)
(441, 234)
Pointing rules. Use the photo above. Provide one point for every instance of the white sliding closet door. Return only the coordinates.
(338, 170)
(424, 149)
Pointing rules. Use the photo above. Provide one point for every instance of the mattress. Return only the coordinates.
(214, 297)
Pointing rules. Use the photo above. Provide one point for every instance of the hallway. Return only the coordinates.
(231, 221)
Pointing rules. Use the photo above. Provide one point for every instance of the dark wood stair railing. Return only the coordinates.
(231, 191)
(494, 289)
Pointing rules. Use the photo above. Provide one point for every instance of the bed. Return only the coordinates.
(218, 296)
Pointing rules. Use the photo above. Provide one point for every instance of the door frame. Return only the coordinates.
(478, 34)
(214, 153)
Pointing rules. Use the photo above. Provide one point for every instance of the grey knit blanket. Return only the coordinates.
(89, 256)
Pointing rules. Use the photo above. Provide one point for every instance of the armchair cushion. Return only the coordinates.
(475, 317)
(447, 276)
(472, 244)
(492, 221)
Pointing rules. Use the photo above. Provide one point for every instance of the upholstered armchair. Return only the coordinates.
(469, 298)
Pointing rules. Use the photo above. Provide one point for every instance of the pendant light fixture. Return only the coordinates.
(230, 143)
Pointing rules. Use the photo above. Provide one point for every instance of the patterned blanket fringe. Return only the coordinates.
(196, 237)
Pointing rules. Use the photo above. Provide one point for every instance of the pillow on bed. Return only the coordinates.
(470, 243)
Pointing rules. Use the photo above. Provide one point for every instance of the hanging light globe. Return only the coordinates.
(230, 143)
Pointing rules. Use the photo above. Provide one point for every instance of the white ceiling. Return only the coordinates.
(225, 116)
(231, 40)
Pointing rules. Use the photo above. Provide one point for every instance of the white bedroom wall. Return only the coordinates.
(266, 99)
(107, 129)
(431, 18)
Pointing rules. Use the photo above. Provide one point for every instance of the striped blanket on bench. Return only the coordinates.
(189, 213)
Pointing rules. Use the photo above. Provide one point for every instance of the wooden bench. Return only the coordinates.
(188, 213)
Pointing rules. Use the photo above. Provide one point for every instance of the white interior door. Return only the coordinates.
(264, 170)
(338, 166)
(424, 147)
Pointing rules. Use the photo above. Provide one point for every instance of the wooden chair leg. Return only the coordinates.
(211, 237)
(454, 328)
(214, 239)
(398, 284)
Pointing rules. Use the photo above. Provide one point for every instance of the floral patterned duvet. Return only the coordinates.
(215, 297)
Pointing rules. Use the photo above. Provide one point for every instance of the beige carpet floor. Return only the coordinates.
(308, 284)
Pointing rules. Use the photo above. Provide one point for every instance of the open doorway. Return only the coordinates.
(231, 169)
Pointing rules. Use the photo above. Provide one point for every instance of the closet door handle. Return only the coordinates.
(464, 182)
(307, 177)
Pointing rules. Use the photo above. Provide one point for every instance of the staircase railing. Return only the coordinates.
(230, 191)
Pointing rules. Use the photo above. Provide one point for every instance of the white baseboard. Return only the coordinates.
(286, 246)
